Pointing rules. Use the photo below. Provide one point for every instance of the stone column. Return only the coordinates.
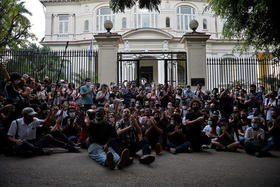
(108, 46)
(195, 46)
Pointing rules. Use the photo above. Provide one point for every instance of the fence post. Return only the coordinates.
(195, 45)
(107, 57)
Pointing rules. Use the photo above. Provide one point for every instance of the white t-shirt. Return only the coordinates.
(25, 131)
(208, 128)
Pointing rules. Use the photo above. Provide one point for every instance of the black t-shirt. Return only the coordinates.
(71, 130)
(154, 133)
(100, 132)
(176, 138)
(243, 125)
(194, 129)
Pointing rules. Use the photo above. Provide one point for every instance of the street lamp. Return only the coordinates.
(193, 25)
(108, 25)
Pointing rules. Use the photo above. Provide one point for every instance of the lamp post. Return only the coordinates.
(193, 25)
(108, 25)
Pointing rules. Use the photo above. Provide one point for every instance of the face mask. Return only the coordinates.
(243, 117)
(136, 105)
(17, 81)
(88, 83)
(63, 85)
(259, 91)
(210, 123)
(72, 114)
(172, 123)
(157, 119)
(236, 93)
(196, 108)
(188, 89)
(169, 107)
(184, 107)
(254, 125)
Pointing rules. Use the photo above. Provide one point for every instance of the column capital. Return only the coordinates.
(103, 40)
(195, 37)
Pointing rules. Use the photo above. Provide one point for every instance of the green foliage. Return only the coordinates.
(254, 21)
(120, 5)
(271, 80)
(33, 58)
(14, 25)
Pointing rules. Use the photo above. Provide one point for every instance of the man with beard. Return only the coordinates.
(153, 132)
(127, 130)
(100, 134)
(193, 126)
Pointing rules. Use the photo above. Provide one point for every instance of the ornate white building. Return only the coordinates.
(77, 21)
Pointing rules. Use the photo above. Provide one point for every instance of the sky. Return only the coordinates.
(37, 19)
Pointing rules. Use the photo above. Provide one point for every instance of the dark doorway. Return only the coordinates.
(146, 73)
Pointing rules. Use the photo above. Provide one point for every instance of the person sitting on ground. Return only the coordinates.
(153, 132)
(70, 125)
(194, 124)
(100, 134)
(274, 128)
(127, 130)
(255, 139)
(22, 133)
(212, 130)
(176, 138)
(225, 141)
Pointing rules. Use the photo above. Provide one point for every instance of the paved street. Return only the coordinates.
(209, 168)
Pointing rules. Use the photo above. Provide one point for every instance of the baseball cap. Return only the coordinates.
(29, 111)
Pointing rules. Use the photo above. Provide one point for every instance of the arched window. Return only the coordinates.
(86, 26)
(63, 24)
(204, 24)
(103, 14)
(167, 22)
(184, 15)
(144, 18)
(124, 23)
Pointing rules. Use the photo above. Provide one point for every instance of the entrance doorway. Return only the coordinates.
(158, 67)
(146, 74)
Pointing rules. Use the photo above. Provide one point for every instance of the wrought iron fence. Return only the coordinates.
(75, 65)
(223, 72)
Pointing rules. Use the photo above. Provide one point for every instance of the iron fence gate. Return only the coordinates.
(171, 67)
(223, 72)
(76, 64)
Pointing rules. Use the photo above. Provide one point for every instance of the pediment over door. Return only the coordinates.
(147, 34)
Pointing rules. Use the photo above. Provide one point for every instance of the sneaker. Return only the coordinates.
(129, 161)
(110, 160)
(147, 159)
(124, 159)
(158, 148)
(73, 149)
(172, 150)
(220, 148)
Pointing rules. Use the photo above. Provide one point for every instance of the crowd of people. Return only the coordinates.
(114, 122)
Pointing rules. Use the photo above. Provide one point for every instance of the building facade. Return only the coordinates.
(77, 21)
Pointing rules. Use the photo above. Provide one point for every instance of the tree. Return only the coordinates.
(14, 25)
(120, 5)
(31, 59)
(255, 21)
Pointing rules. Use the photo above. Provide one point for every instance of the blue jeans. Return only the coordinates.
(180, 147)
(96, 153)
(252, 148)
